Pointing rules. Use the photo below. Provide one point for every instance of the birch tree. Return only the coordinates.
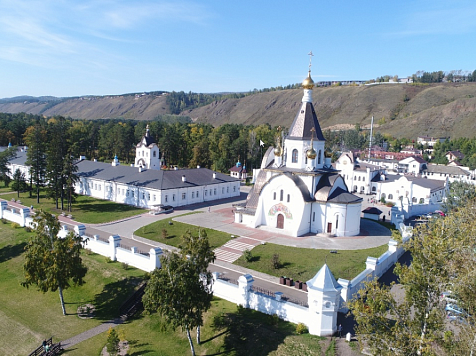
(53, 263)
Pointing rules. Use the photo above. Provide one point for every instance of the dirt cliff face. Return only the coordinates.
(398, 109)
(446, 109)
(146, 107)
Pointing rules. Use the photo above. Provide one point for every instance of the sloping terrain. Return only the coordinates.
(146, 107)
(445, 109)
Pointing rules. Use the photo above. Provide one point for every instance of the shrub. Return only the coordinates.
(275, 262)
(107, 259)
(382, 200)
(112, 343)
(27, 229)
(164, 234)
(247, 255)
(4, 221)
(15, 225)
(301, 328)
(125, 265)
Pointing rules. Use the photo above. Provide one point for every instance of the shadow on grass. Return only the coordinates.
(10, 251)
(246, 329)
(103, 207)
(107, 302)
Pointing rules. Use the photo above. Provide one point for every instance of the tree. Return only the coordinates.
(112, 344)
(181, 290)
(19, 183)
(458, 195)
(52, 263)
(5, 157)
(35, 138)
(443, 258)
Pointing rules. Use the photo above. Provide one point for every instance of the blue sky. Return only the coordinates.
(101, 47)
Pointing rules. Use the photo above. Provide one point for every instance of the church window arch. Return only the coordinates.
(289, 198)
(383, 196)
(295, 156)
(414, 199)
(422, 201)
(359, 179)
(319, 157)
(281, 193)
(154, 154)
(390, 196)
(337, 222)
(374, 189)
(274, 195)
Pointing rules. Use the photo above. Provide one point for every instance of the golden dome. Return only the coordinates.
(278, 151)
(311, 153)
(308, 83)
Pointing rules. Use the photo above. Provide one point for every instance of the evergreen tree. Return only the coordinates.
(35, 138)
(19, 183)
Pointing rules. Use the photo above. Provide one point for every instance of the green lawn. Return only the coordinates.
(228, 330)
(175, 230)
(28, 316)
(302, 264)
(85, 209)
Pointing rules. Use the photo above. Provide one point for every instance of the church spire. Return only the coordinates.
(306, 118)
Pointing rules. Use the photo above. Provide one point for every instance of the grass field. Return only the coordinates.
(302, 264)
(86, 209)
(175, 230)
(28, 316)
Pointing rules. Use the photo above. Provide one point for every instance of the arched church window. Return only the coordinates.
(274, 196)
(289, 198)
(390, 196)
(414, 200)
(319, 157)
(295, 156)
(337, 222)
(154, 154)
(142, 153)
(281, 195)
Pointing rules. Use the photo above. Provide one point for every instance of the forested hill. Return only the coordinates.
(402, 110)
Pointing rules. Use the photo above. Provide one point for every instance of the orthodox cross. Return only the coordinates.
(310, 59)
(313, 130)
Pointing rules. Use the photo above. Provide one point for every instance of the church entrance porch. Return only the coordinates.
(280, 221)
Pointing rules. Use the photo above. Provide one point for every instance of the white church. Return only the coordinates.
(296, 190)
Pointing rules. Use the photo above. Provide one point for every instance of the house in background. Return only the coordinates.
(239, 171)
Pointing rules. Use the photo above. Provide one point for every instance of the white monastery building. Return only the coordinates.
(145, 184)
(296, 190)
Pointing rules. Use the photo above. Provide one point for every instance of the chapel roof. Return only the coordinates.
(304, 121)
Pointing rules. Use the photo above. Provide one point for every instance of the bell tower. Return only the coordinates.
(147, 152)
(304, 143)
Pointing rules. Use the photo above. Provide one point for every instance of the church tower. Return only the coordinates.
(147, 152)
(304, 144)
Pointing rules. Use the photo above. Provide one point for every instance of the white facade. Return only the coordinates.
(147, 153)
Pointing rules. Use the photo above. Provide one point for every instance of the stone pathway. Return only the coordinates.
(68, 343)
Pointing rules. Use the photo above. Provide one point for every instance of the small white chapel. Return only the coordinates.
(296, 190)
